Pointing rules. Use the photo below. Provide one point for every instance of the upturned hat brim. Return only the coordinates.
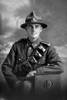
(26, 24)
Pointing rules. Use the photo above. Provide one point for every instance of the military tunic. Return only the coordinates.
(19, 62)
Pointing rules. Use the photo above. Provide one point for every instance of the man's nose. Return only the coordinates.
(33, 27)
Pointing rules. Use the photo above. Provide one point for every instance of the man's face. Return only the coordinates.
(34, 31)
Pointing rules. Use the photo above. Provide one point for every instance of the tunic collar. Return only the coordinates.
(34, 44)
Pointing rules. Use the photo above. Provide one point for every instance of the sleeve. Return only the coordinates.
(53, 57)
(53, 61)
(7, 67)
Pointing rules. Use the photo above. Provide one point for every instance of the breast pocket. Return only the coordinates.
(18, 64)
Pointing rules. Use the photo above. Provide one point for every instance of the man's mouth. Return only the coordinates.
(34, 35)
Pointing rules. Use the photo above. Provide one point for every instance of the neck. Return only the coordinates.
(35, 42)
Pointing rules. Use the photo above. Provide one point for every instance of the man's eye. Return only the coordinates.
(36, 26)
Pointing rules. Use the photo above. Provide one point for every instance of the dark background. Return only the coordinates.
(54, 13)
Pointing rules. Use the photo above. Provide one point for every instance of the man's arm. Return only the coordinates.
(53, 61)
(7, 67)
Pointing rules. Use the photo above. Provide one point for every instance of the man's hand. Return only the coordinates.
(18, 84)
(31, 73)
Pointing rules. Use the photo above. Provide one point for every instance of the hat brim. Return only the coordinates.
(25, 24)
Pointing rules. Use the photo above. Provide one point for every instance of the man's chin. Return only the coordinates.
(33, 39)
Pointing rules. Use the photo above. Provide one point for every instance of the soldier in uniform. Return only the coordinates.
(30, 55)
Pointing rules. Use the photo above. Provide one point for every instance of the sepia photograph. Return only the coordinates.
(33, 49)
